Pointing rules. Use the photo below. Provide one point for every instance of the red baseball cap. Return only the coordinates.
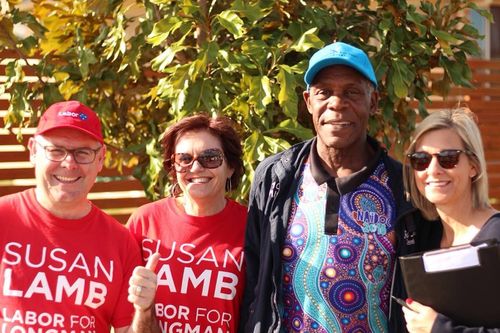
(71, 114)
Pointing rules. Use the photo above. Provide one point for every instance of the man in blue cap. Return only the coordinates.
(327, 217)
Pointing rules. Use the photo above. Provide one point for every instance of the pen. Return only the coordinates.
(402, 303)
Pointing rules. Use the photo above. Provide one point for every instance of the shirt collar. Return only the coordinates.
(349, 183)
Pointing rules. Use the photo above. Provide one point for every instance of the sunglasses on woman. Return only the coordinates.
(447, 158)
(209, 159)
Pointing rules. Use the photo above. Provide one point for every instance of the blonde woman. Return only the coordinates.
(446, 179)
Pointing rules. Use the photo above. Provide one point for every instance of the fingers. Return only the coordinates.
(142, 284)
(420, 318)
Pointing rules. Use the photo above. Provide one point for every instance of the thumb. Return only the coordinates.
(153, 261)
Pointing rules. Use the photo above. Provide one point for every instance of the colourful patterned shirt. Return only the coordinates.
(340, 282)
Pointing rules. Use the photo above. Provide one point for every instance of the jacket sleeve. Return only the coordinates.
(444, 324)
(252, 250)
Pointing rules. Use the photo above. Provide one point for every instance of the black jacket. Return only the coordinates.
(430, 238)
(274, 185)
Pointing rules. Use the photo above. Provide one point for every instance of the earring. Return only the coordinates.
(229, 186)
(174, 189)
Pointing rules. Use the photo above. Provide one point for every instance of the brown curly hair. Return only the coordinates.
(221, 127)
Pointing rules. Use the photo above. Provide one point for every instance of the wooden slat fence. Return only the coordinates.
(119, 194)
(484, 100)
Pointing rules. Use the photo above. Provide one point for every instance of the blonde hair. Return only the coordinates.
(464, 122)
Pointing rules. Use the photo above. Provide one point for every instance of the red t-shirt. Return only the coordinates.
(59, 275)
(201, 268)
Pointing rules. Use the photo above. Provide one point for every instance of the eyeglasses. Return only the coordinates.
(80, 155)
(447, 158)
(210, 159)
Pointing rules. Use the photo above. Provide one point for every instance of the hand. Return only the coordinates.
(142, 285)
(421, 319)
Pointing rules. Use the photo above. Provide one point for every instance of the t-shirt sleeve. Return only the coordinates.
(124, 310)
(134, 228)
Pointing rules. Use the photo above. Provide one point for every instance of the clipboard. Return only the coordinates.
(466, 290)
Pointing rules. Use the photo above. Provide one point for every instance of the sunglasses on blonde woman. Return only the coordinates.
(447, 158)
(209, 159)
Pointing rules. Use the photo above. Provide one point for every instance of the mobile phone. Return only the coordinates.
(402, 303)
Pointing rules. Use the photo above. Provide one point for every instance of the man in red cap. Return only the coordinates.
(64, 263)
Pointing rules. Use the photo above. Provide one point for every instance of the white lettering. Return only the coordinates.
(64, 285)
(7, 283)
(189, 276)
(83, 265)
(229, 285)
(184, 250)
(42, 259)
(213, 316)
(28, 317)
(98, 264)
(209, 256)
(55, 258)
(170, 311)
(12, 252)
(165, 278)
(97, 295)
(40, 285)
(239, 264)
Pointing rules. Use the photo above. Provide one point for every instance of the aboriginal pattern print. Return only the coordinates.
(339, 283)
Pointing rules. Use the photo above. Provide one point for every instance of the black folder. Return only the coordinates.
(468, 293)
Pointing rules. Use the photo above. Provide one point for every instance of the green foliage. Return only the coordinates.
(244, 59)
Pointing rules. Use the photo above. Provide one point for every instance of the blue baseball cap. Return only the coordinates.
(340, 54)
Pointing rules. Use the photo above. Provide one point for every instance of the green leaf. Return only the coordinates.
(307, 41)
(417, 19)
(444, 36)
(259, 93)
(18, 105)
(470, 30)
(287, 97)
(386, 23)
(163, 29)
(258, 51)
(205, 57)
(14, 72)
(198, 94)
(293, 127)
(470, 47)
(29, 44)
(232, 22)
(164, 59)
(459, 73)
(253, 148)
(445, 39)
(401, 77)
(276, 145)
(115, 43)
(252, 11)
(86, 58)
(51, 94)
